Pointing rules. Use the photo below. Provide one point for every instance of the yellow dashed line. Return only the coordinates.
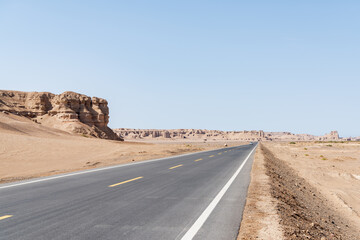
(130, 180)
(212, 156)
(219, 153)
(176, 166)
(6, 216)
(198, 160)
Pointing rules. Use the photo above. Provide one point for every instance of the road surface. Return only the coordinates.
(194, 196)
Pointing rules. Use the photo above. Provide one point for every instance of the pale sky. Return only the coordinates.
(227, 65)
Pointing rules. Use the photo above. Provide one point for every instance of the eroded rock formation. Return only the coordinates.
(215, 135)
(68, 111)
(189, 134)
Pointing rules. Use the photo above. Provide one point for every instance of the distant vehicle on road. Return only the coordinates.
(251, 143)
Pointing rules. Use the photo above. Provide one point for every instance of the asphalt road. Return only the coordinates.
(196, 196)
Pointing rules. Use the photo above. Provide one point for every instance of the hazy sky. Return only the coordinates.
(227, 65)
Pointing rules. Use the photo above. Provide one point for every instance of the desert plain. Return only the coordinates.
(302, 186)
(29, 150)
(304, 190)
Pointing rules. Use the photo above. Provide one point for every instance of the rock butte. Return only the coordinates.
(69, 111)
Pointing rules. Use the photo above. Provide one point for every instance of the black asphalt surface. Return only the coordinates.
(163, 204)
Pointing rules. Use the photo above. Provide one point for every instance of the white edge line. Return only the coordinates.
(189, 235)
(105, 168)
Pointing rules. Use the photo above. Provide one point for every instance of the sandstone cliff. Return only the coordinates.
(69, 111)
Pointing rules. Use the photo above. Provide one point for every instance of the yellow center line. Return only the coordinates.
(212, 156)
(176, 166)
(219, 153)
(130, 180)
(198, 159)
(225, 151)
(6, 216)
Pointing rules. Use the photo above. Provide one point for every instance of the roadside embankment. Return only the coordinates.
(260, 218)
(282, 204)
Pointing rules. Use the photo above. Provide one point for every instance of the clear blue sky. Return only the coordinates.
(228, 65)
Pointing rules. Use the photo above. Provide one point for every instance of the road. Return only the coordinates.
(194, 196)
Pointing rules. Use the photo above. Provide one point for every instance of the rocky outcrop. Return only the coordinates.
(69, 111)
(29, 104)
(215, 135)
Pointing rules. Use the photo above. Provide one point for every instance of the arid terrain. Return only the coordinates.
(204, 135)
(71, 112)
(29, 150)
(42, 134)
(302, 186)
(304, 190)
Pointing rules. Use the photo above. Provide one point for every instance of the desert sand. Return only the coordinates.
(333, 168)
(29, 150)
(298, 190)
(42, 134)
(304, 190)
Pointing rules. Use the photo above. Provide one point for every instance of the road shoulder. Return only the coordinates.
(260, 219)
(280, 200)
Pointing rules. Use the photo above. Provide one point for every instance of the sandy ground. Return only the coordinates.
(314, 189)
(333, 168)
(260, 219)
(29, 150)
(298, 191)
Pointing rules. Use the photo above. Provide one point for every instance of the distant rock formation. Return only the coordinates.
(215, 135)
(189, 134)
(332, 136)
(69, 111)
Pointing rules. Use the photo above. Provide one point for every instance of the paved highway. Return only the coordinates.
(194, 196)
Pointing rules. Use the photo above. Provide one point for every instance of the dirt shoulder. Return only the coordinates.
(332, 168)
(281, 199)
(304, 211)
(260, 218)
